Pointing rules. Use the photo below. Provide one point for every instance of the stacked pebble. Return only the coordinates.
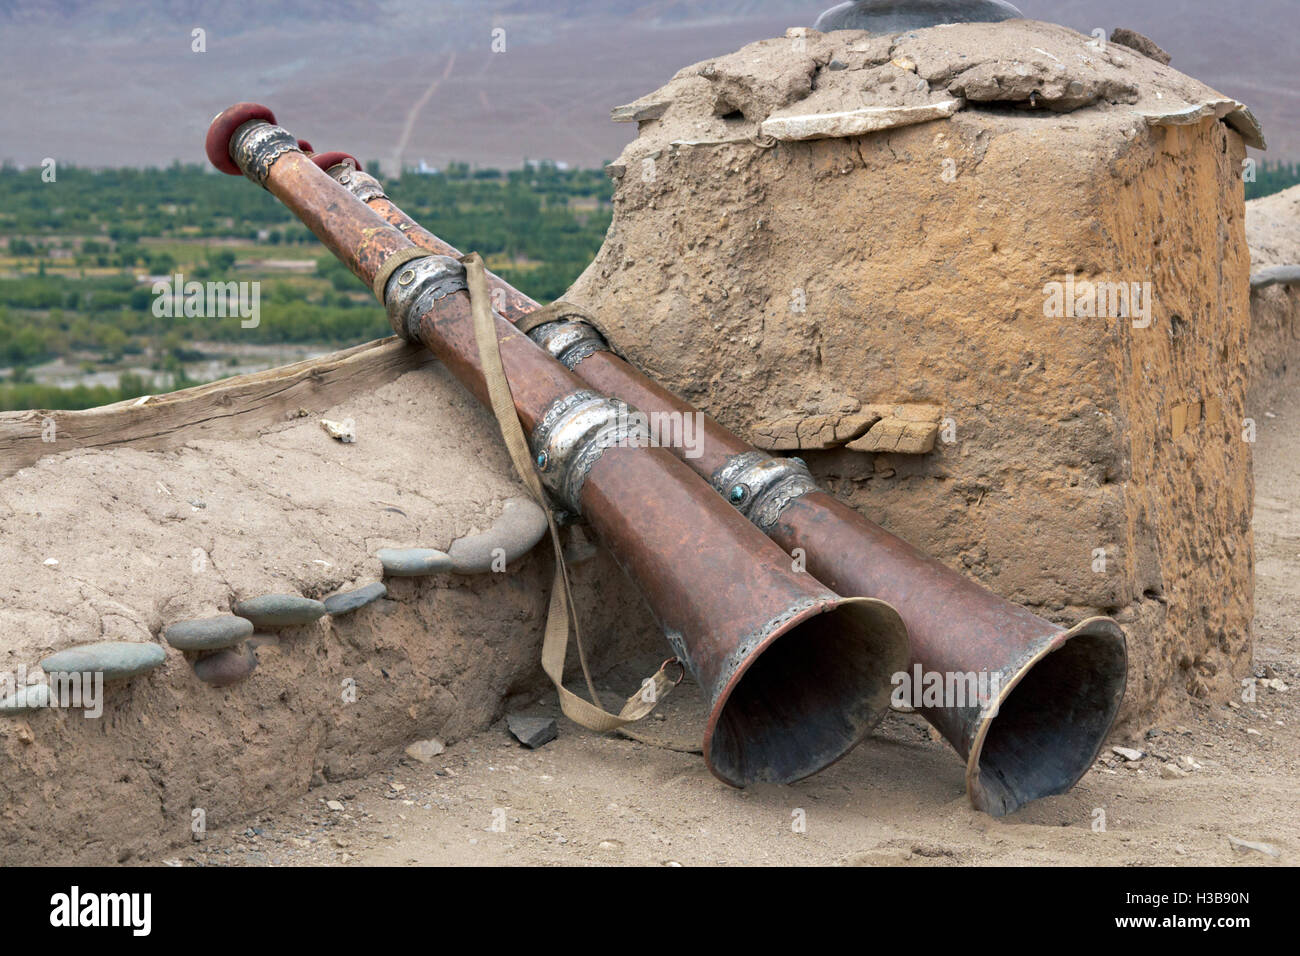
(223, 646)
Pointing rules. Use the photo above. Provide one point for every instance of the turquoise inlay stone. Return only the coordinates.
(280, 610)
(349, 601)
(413, 562)
(116, 660)
(209, 633)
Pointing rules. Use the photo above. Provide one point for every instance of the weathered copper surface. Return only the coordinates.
(796, 675)
(1067, 683)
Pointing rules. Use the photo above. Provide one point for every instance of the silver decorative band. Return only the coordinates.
(362, 185)
(257, 145)
(573, 434)
(761, 486)
(569, 341)
(413, 289)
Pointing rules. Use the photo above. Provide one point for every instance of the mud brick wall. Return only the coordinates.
(139, 517)
(1089, 466)
(1273, 231)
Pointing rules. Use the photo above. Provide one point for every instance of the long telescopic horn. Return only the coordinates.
(1055, 692)
(796, 675)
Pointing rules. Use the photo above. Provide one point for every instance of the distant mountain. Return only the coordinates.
(117, 82)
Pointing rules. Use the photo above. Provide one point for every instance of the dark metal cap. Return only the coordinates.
(895, 16)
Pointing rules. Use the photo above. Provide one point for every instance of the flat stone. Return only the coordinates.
(280, 610)
(532, 732)
(116, 660)
(1275, 275)
(516, 532)
(1128, 753)
(639, 112)
(1142, 44)
(26, 699)
(846, 123)
(1236, 115)
(899, 436)
(1247, 124)
(414, 562)
(208, 633)
(813, 432)
(1036, 82)
(225, 667)
(1170, 771)
(1243, 846)
(1190, 115)
(349, 601)
(425, 750)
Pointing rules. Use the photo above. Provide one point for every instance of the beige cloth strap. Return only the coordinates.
(559, 616)
(391, 265)
(555, 312)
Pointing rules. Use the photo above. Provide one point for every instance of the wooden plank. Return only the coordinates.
(232, 408)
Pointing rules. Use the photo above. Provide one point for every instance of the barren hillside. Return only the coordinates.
(119, 83)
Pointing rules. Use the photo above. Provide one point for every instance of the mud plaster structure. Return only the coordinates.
(823, 237)
(922, 302)
(1271, 230)
(139, 516)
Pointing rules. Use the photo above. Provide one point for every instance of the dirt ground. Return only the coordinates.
(898, 799)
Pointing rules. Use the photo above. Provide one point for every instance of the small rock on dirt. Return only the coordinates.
(425, 750)
(532, 732)
(1128, 753)
(1248, 846)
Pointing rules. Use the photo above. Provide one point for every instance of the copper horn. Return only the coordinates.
(795, 674)
(1058, 690)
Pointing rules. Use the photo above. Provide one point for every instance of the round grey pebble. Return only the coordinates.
(280, 610)
(349, 601)
(116, 660)
(209, 633)
(25, 699)
(521, 525)
(223, 668)
(413, 562)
